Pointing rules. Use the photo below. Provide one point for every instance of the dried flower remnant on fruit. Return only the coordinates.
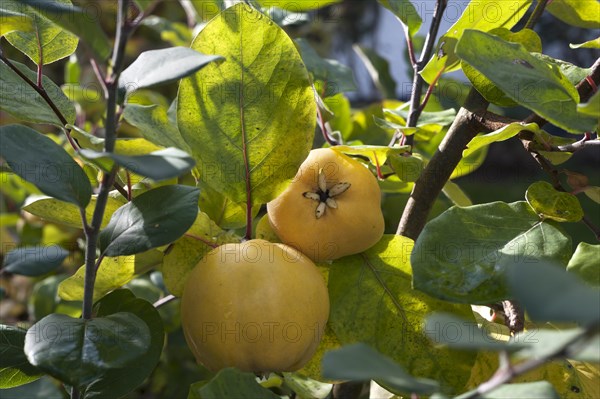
(324, 196)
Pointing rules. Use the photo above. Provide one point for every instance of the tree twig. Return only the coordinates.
(536, 14)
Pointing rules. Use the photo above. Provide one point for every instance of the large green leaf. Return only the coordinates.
(158, 165)
(334, 76)
(563, 297)
(372, 301)
(155, 67)
(34, 261)
(524, 78)
(155, 125)
(113, 273)
(484, 16)
(531, 390)
(140, 225)
(249, 120)
(15, 370)
(552, 204)
(363, 363)
(21, 100)
(116, 382)
(581, 13)
(544, 342)
(46, 42)
(78, 351)
(230, 383)
(584, 263)
(184, 254)
(463, 254)
(39, 160)
(75, 20)
(55, 211)
(406, 12)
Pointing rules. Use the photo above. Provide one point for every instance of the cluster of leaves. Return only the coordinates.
(186, 174)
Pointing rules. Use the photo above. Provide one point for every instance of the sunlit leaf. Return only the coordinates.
(406, 12)
(584, 263)
(581, 13)
(552, 204)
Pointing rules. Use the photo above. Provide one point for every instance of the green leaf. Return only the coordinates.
(360, 362)
(116, 382)
(157, 165)
(530, 390)
(34, 261)
(376, 154)
(552, 204)
(77, 21)
(335, 77)
(156, 67)
(524, 78)
(249, 120)
(542, 343)
(593, 192)
(155, 125)
(406, 12)
(113, 273)
(584, 263)
(449, 330)
(528, 38)
(44, 299)
(15, 370)
(463, 254)
(501, 134)
(13, 20)
(184, 254)
(140, 225)
(43, 388)
(573, 73)
(442, 118)
(379, 70)
(230, 383)
(407, 168)
(305, 387)
(484, 16)
(594, 43)
(592, 107)
(46, 42)
(78, 351)
(226, 213)
(174, 33)
(39, 160)
(55, 211)
(294, 5)
(456, 194)
(562, 297)
(581, 13)
(380, 279)
(23, 102)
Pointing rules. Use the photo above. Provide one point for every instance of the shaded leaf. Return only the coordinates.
(175, 33)
(140, 225)
(34, 261)
(407, 168)
(113, 273)
(39, 160)
(524, 78)
(584, 263)
(463, 254)
(155, 67)
(306, 387)
(379, 70)
(46, 42)
(442, 118)
(158, 165)
(562, 297)
(501, 134)
(230, 383)
(250, 119)
(23, 102)
(552, 204)
(335, 76)
(593, 192)
(380, 279)
(592, 107)
(75, 20)
(15, 370)
(117, 382)
(530, 390)
(543, 343)
(78, 351)
(360, 362)
(155, 125)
